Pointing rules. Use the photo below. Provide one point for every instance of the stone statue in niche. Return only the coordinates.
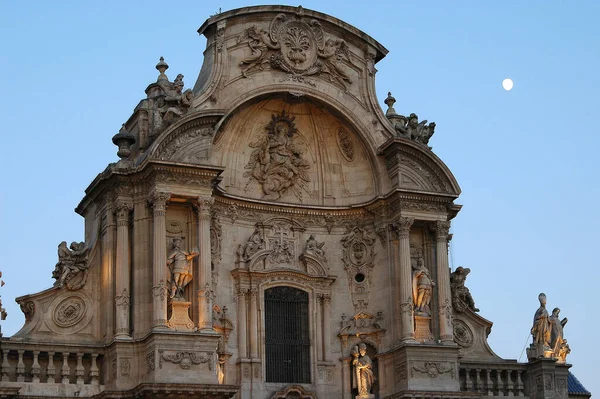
(461, 296)
(277, 163)
(363, 371)
(72, 267)
(547, 332)
(298, 47)
(179, 263)
(422, 288)
(559, 346)
(314, 247)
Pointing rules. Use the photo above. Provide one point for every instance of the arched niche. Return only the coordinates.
(294, 150)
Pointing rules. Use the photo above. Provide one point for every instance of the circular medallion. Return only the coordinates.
(463, 335)
(69, 311)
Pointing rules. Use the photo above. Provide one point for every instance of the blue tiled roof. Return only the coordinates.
(576, 387)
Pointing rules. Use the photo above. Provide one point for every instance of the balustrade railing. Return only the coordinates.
(494, 379)
(50, 364)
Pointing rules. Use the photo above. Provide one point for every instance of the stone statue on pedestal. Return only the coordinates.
(547, 332)
(179, 263)
(541, 325)
(363, 371)
(422, 288)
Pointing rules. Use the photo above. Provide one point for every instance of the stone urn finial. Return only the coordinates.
(162, 66)
(390, 101)
(123, 140)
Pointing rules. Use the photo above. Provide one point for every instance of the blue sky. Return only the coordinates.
(526, 159)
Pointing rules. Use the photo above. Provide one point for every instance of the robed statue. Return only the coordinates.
(363, 371)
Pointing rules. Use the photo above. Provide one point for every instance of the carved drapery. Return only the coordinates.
(159, 202)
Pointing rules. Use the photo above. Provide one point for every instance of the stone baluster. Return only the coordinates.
(520, 385)
(441, 229)
(123, 269)
(79, 370)
(326, 327)
(64, 372)
(205, 294)
(94, 371)
(242, 324)
(5, 366)
(51, 371)
(509, 382)
(404, 279)
(253, 321)
(21, 367)
(489, 384)
(159, 280)
(477, 381)
(468, 380)
(36, 369)
(500, 384)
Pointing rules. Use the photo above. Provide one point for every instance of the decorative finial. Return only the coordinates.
(390, 101)
(123, 140)
(162, 66)
(300, 12)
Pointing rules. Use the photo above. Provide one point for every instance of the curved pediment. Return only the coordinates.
(412, 166)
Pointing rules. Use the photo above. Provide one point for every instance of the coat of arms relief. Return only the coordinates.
(296, 46)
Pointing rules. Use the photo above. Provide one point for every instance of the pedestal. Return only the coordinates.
(180, 317)
(422, 329)
(369, 396)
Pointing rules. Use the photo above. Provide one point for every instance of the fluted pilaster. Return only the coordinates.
(123, 273)
(441, 228)
(159, 258)
(404, 278)
(205, 294)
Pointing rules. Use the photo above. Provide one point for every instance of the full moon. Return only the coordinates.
(507, 84)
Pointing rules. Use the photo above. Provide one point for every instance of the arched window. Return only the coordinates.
(287, 336)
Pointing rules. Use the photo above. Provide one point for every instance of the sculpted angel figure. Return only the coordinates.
(314, 247)
(71, 263)
(422, 287)
(179, 263)
(363, 368)
(461, 296)
(558, 344)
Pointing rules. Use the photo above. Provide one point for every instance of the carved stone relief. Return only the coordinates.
(125, 367)
(298, 47)
(215, 248)
(69, 311)
(28, 309)
(461, 296)
(185, 359)
(361, 326)
(463, 335)
(277, 162)
(432, 369)
(358, 258)
(346, 145)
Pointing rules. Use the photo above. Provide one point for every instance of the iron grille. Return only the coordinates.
(287, 335)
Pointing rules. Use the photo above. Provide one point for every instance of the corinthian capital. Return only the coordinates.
(159, 199)
(204, 206)
(403, 225)
(441, 228)
(122, 210)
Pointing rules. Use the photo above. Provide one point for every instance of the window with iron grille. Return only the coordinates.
(287, 335)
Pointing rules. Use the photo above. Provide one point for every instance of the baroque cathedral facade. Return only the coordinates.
(270, 233)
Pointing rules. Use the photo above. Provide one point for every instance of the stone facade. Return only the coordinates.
(278, 169)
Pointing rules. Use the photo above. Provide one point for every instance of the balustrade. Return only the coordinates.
(24, 363)
(493, 379)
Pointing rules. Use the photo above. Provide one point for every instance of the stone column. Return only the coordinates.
(204, 264)
(326, 326)
(253, 324)
(346, 378)
(319, 326)
(159, 260)
(441, 228)
(404, 282)
(123, 275)
(241, 323)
